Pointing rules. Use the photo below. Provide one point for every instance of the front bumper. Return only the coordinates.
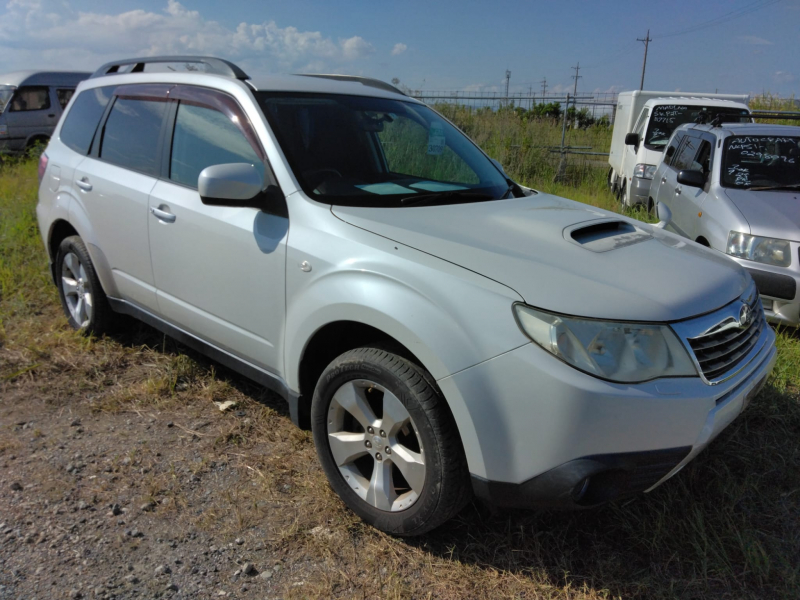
(544, 434)
(778, 291)
(640, 191)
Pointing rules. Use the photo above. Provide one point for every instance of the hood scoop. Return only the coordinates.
(605, 235)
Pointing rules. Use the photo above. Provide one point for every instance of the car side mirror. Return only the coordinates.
(632, 139)
(664, 215)
(692, 178)
(240, 184)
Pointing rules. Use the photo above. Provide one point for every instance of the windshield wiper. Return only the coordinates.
(788, 186)
(450, 195)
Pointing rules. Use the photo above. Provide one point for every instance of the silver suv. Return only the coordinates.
(441, 329)
(735, 188)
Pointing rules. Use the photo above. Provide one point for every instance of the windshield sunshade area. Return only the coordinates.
(767, 162)
(667, 117)
(364, 151)
(6, 91)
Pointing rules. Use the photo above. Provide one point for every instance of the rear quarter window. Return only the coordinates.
(81, 121)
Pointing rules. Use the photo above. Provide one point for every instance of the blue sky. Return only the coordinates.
(444, 45)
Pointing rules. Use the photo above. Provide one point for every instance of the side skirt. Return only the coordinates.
(260, 376)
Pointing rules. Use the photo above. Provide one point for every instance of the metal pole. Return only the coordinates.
(561, 172)
(646, 41)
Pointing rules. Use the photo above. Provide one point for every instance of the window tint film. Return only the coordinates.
(367, 151)
(82, 119)
(132, 134)
(31, 98)
(761, 162)
(204, 137)
(64, 96)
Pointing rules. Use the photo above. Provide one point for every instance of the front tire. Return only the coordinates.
(82, 297)
(388, 442)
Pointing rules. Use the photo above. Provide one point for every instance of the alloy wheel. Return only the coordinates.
(77, 289)
(380, 457)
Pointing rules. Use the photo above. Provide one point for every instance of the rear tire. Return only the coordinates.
(623, 197)
(82, 297)
(388, 442)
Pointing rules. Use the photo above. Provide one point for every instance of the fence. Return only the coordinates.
(599, 104)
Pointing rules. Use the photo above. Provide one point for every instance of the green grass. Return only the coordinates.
(727, 526)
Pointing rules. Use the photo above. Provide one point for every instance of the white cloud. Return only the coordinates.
(783, 77)
(38, 33)
(399, 48)
(755, 41)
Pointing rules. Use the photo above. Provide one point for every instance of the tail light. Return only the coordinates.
(42, 165)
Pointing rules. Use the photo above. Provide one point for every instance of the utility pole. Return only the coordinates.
(508, 79)
(544, 88)
(575, 89)
(646, 41)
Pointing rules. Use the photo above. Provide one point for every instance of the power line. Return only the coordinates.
(724, 18)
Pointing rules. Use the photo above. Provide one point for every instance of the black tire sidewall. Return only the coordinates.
(351, 366)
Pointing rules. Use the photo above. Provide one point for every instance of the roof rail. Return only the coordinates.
(216, 66)
(368, 81)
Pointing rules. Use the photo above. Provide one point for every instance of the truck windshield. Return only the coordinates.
(6, 91)
(666, 117)
(365, 151)
(759, 161)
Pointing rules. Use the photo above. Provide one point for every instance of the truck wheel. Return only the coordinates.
(388, 442)
(623, 196)
(82, 296)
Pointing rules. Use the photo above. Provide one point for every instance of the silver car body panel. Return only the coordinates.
(441, 280)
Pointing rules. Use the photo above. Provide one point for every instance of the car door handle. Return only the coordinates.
(84, 184)
(162, 215)
(663, 180)
(51, 116)
(678, 190)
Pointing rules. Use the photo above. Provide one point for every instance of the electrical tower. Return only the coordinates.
(508, 79)
(646, 41)
(544, 88)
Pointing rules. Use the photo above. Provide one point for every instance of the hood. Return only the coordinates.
(537, 246)
(770, 214)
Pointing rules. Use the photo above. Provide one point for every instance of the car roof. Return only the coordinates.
(694, 101)
(743, 129)
(19, 78)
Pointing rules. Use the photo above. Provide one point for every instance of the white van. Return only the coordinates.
(643, 124)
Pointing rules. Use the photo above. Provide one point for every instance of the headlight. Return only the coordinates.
(759, 249)
(644, 171)
(623, 352)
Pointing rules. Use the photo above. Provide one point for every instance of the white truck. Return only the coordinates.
(643, 124)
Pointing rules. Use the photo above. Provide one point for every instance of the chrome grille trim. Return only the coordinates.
(719, 347)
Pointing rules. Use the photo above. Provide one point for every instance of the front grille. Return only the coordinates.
(719, 351)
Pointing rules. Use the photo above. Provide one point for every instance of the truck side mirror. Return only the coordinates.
(632, 139)
(692, 178)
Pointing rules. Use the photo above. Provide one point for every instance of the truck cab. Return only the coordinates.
(643, 125)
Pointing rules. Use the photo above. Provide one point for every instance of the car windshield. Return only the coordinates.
(6, 91)
(753, 161)
(365, 151)
(666, 117)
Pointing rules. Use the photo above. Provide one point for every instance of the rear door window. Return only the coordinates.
(132, 133)
(82, 119)
(64, 95)
(30, 98)
(204, 137)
